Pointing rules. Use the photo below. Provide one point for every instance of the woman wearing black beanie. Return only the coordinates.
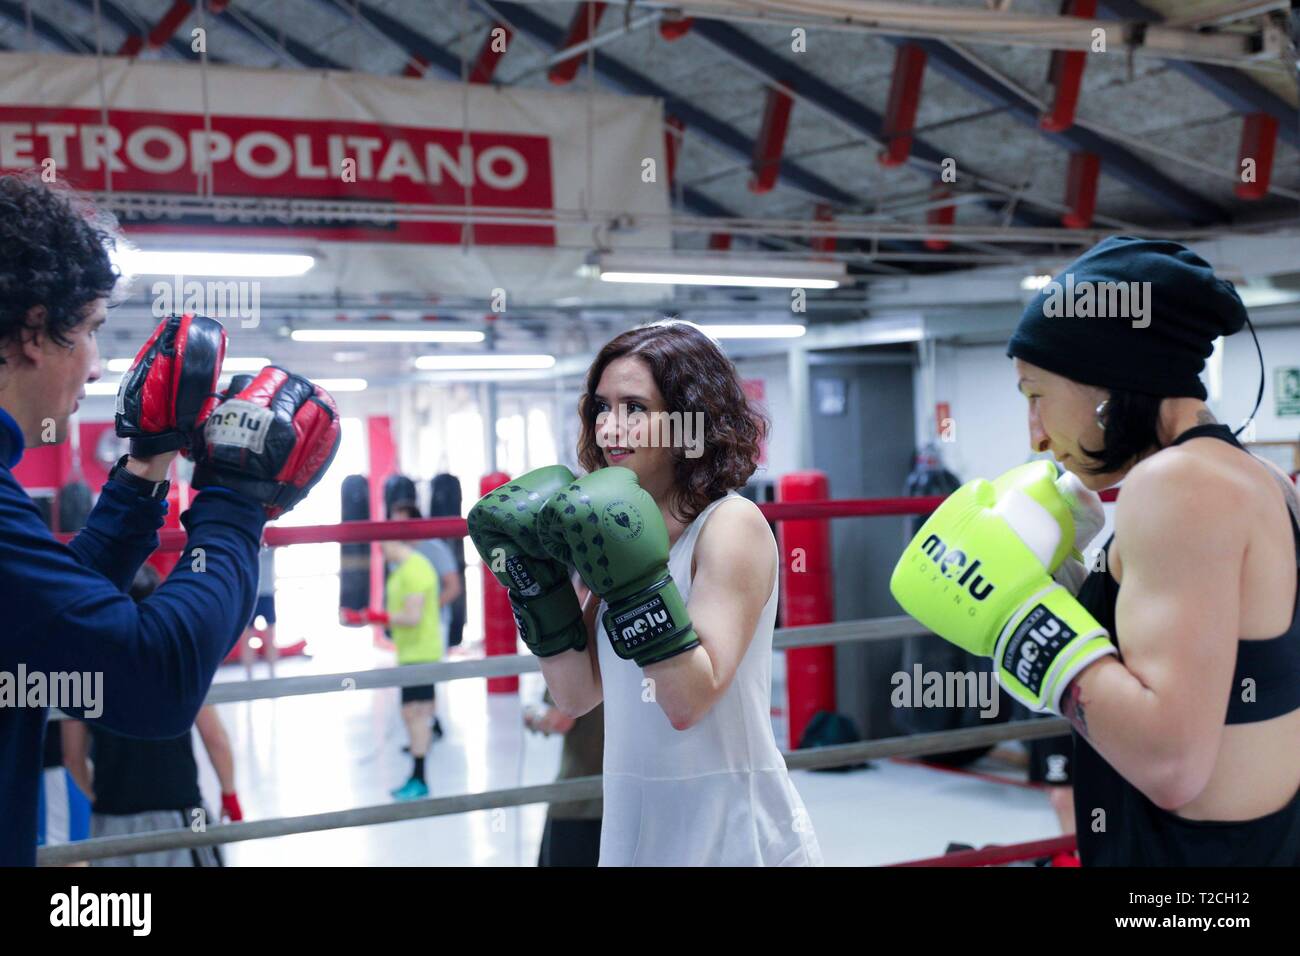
(1186, 742)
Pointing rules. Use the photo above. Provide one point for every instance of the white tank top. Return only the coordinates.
(717, 794)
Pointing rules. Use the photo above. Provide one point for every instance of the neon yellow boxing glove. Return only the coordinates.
(978, 574)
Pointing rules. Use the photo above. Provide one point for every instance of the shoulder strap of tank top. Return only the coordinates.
(1225, 433)
(1214, 430)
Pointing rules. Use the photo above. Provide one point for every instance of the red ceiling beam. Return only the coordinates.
(1065, 73)
(771, 140)
(485, 64)
(673, 128)
(944, 215)
(904, 98)
(1258, 142)
(674, 28)
(823, 212)
(162, 31)
(581, 27)
(1081, 190)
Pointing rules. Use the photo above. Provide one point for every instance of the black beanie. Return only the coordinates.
(1134, 314)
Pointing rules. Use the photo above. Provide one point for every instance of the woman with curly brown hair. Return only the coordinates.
(693, 775)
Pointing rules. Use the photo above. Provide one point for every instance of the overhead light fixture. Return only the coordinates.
(101, 388)
(342, 384)
(1034, 283)
(187, 262)
(445, 336)
(779, 331)
(753, 272)
(230, 365)
(486, 361)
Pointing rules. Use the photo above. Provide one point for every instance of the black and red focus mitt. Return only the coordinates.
(172, 386)
(271, 439)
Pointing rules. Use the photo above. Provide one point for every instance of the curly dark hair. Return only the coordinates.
(54, 249)
(693, 375)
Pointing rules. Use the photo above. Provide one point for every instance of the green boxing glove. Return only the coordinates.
(502, 525)
(978, 574)
(610, 529)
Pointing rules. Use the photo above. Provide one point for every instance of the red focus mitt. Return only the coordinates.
(271, 439)
(171, 387)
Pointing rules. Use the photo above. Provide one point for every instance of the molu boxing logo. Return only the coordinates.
(640, 623)
(950, 563)
(239, 424)
(1098, 300)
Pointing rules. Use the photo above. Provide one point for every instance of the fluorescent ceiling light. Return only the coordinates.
(460, 336)
(342, 384)
(669, 269)
(230, 365)
(786, 331)
(1034, 283)
(1257, 295)
(101, 388)
(184, 262)
(443, 363)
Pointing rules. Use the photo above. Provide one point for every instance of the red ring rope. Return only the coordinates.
(351, 532)
(999, 855)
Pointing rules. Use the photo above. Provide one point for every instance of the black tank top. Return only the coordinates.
(1139, 833)
(136, 776)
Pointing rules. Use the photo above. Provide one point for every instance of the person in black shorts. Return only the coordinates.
(140, 786)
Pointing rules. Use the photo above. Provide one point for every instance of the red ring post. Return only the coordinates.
(807, 598)
(499, 635)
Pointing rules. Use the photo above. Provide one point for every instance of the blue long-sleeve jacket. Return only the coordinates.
(66, 611)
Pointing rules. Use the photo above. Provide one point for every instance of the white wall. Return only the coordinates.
(1281, 347)
(990, 425)
(782, 443)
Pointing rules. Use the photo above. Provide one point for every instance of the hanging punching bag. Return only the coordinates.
(445, 502)
(354, 563)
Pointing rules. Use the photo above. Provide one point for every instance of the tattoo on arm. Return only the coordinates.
(1072, 709)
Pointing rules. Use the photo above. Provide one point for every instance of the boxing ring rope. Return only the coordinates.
(421, 529)
(510, 665)
(578, 788)
(999, 855)
(876, 629)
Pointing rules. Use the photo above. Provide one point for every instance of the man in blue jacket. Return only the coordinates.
(66, 606)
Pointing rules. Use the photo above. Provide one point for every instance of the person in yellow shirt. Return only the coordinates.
(415, 620)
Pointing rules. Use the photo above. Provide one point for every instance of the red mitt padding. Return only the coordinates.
(172, 386)
(271, 439)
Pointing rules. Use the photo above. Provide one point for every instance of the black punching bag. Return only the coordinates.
(354, 563)
(445, 502)
(398, 489)
(931, 654)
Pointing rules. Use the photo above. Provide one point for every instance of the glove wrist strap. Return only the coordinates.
(1045, 645)
(650, 625)
(533, 614)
